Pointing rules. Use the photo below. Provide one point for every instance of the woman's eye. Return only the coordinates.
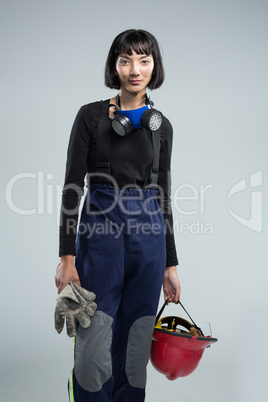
(123, 62)
(145, 61)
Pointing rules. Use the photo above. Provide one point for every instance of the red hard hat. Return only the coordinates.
(176, 352)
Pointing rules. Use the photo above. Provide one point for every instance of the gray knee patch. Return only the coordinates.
(138, 350)
(92, 359)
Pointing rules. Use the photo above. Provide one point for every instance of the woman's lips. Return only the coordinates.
(134, 82)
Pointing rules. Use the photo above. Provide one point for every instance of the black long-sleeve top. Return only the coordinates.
(130, 158)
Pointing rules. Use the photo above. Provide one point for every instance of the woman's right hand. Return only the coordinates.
(66, 272)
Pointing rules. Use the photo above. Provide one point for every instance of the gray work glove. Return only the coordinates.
(73, 303)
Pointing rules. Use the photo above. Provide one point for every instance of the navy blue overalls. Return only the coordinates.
(121, 258)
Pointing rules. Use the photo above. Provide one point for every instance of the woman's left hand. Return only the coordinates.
(171, 285)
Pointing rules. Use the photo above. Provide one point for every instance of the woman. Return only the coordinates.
(125, 247)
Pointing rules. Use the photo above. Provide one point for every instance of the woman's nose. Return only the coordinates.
(135, 69)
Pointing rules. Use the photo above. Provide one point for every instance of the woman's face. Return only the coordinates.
(134, 72)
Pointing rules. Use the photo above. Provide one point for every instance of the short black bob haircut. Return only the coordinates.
(140, 42)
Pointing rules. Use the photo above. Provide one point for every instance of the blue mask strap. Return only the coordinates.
(134, 115)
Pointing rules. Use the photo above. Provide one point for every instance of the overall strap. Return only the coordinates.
(103, 144)
(154, 170)
(152, 177)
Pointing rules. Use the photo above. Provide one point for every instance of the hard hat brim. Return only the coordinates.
(175, 354)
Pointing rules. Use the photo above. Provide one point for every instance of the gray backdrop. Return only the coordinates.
(215, 94)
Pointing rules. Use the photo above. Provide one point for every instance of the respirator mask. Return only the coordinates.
(145, 117)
